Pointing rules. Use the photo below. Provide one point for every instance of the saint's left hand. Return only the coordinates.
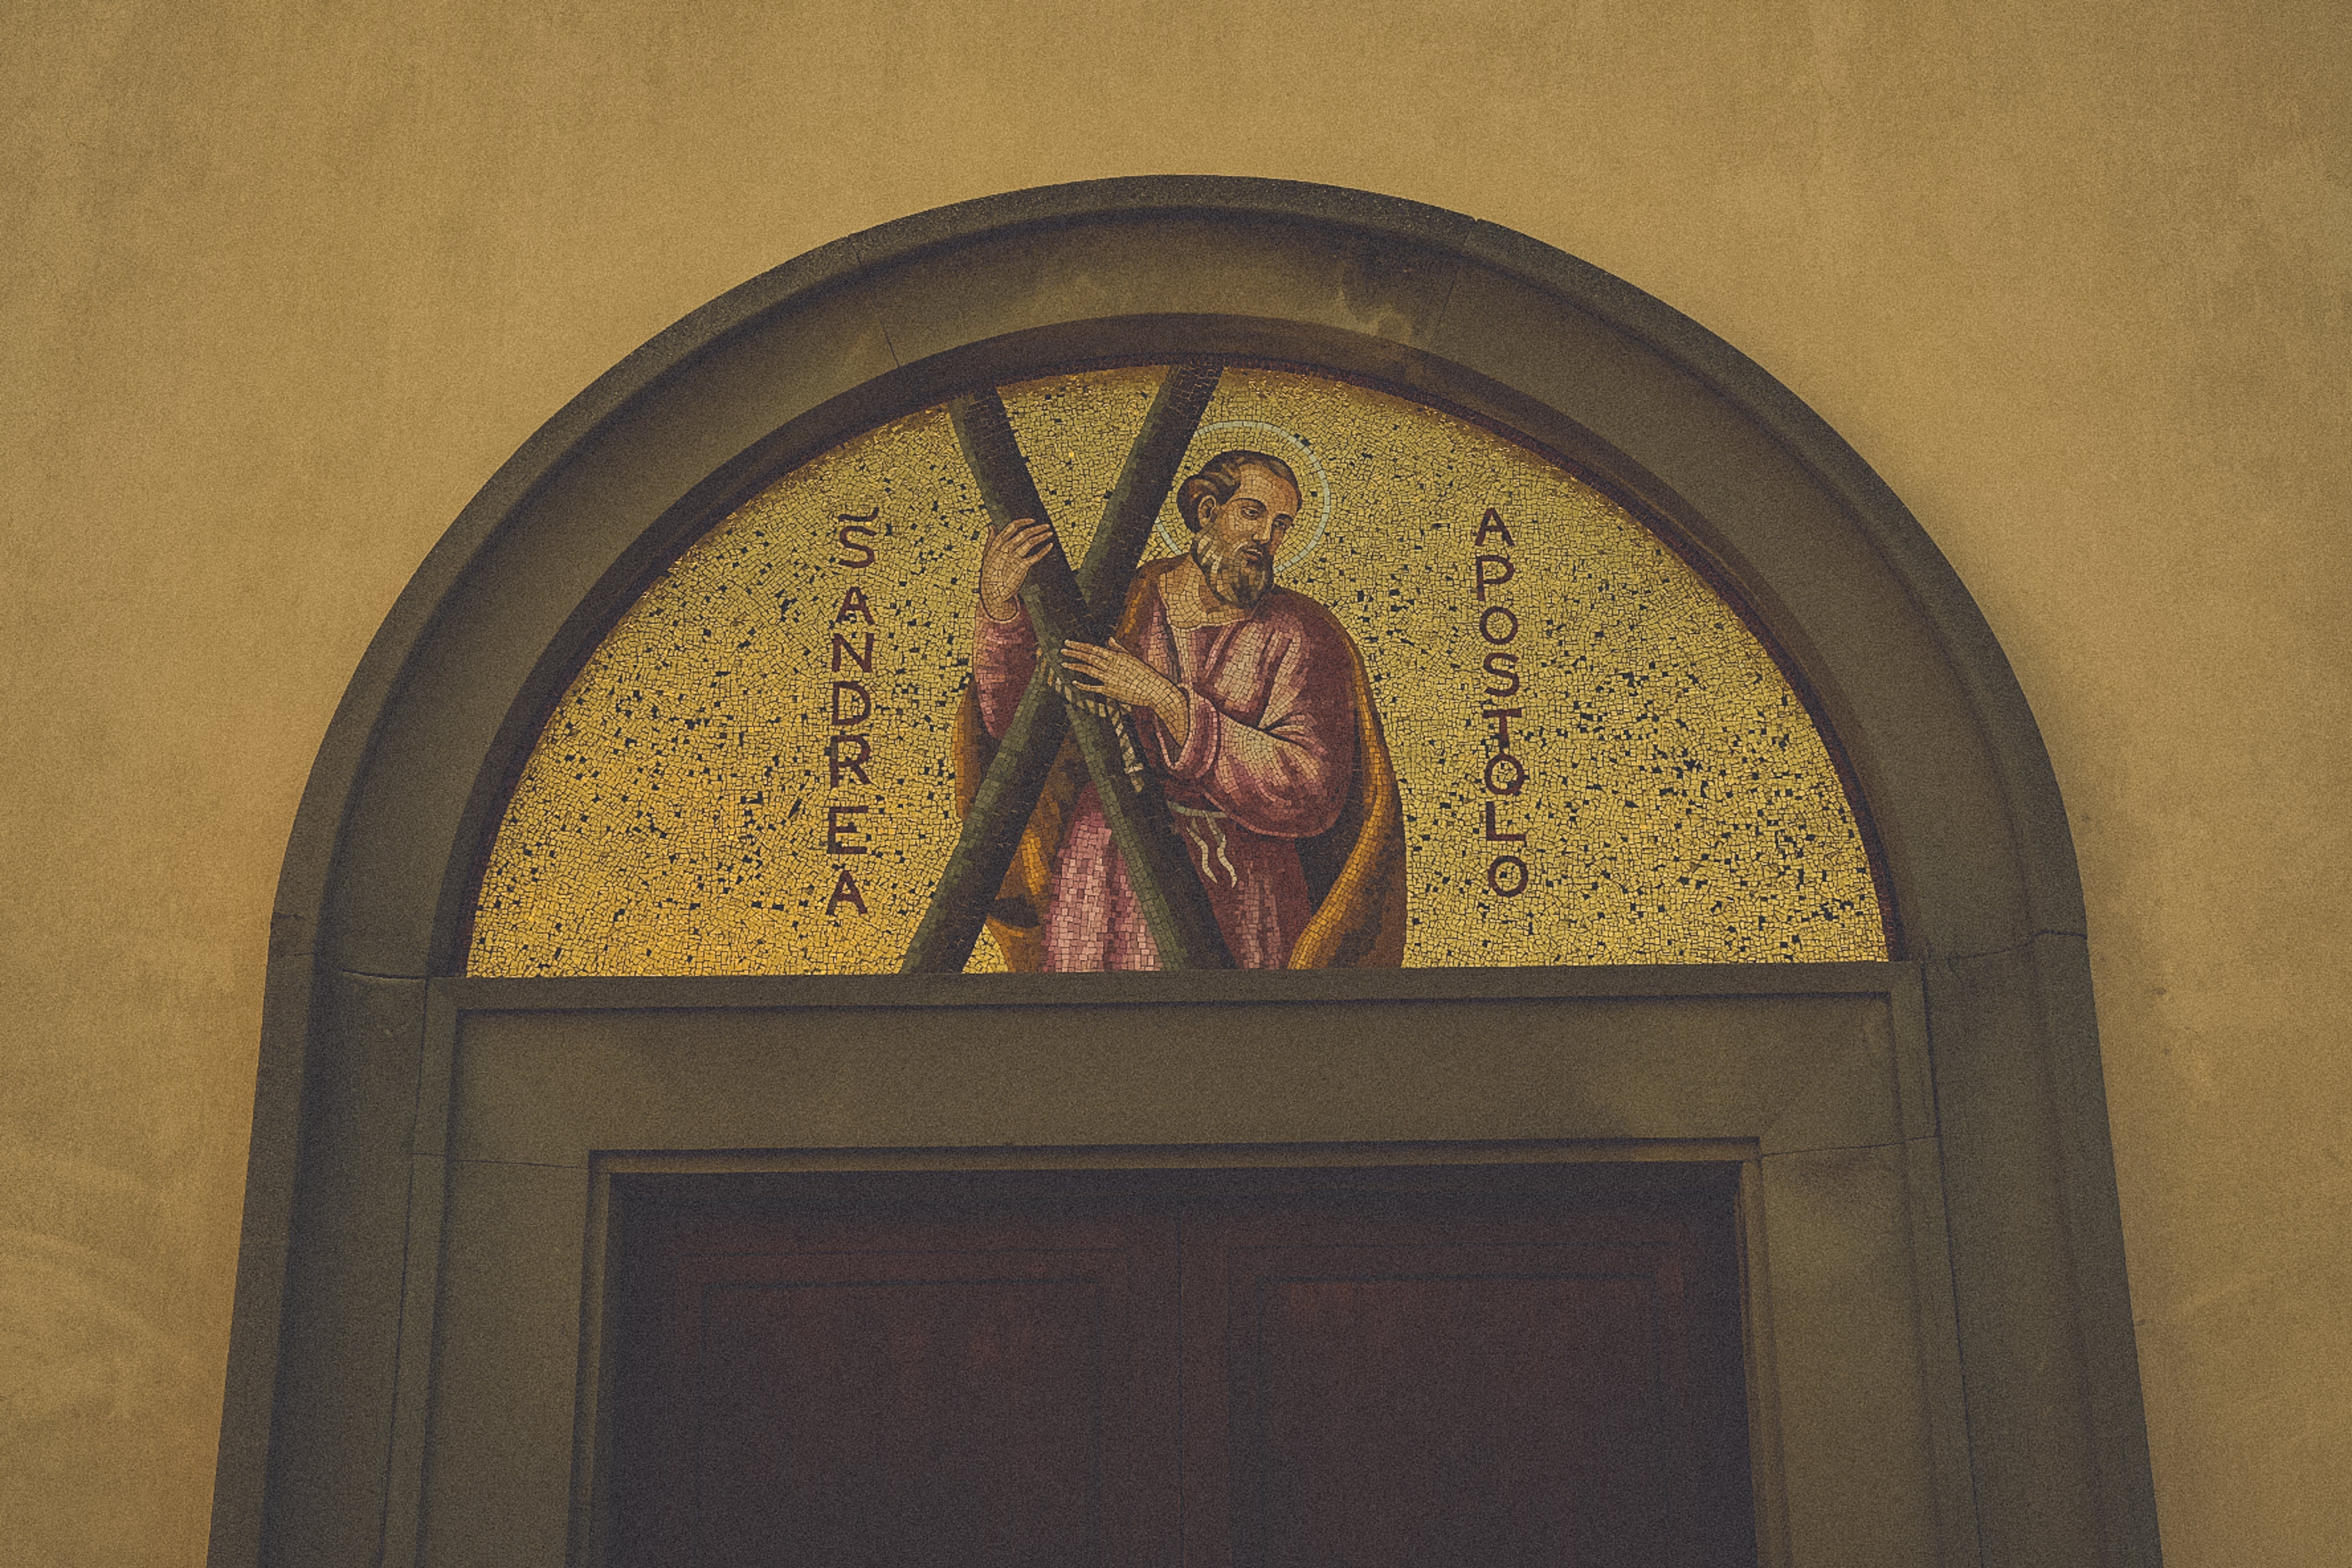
(1119, 675)
(1113, 672)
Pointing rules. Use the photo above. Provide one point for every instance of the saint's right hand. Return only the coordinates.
(1005, 561)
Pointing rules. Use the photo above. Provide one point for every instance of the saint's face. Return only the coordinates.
(1238, 541)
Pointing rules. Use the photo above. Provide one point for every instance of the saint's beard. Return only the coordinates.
(1238, 577)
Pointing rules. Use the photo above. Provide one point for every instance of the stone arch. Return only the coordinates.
(2039, 1444)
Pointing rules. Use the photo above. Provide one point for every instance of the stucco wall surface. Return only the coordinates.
(284, 284)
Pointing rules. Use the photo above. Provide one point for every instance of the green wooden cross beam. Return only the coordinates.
(1087, 606)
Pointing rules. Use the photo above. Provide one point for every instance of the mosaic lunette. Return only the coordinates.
(682, 812)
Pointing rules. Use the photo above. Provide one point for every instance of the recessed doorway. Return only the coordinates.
(1504, 1365)
(1938, 1340)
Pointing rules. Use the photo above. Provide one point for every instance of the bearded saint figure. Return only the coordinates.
(1251, 707)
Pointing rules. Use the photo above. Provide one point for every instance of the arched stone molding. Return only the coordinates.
(2039, 1445)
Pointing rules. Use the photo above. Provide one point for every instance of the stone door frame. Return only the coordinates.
(1935, 1126)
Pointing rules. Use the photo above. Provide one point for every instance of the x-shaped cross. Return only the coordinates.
(1082, 606)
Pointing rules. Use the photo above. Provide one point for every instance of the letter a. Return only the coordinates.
(853, 607)
(1493, 523)
(845, 891)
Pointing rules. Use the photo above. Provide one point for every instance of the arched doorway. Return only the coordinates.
(1937, 1343)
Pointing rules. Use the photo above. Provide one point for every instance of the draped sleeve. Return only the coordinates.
(1003, 655)
(1272, 736)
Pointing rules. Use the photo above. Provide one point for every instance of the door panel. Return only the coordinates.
(881, 1390)
(1462, 1381)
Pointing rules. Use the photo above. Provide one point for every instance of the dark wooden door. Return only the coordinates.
(1156, 1372)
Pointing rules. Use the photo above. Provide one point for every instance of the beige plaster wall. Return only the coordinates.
(284, 284)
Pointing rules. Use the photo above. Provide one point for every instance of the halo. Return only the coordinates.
(1301, 457)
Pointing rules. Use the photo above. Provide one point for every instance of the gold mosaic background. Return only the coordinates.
(1679, 806)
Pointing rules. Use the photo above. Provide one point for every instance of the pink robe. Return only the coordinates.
(1267, 761)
